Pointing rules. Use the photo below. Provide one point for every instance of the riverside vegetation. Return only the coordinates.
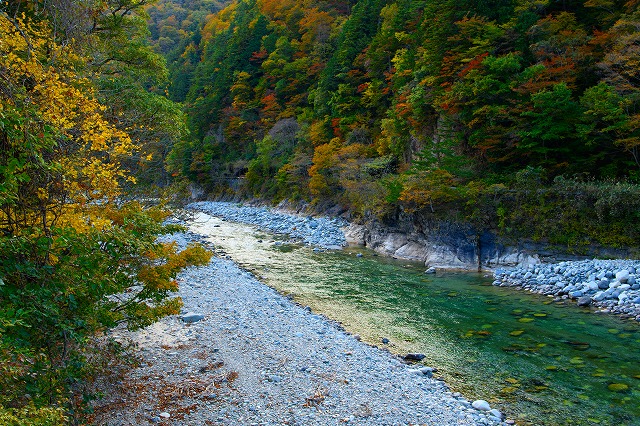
(75, 259)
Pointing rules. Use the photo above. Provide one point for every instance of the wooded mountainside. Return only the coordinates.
(440, 105)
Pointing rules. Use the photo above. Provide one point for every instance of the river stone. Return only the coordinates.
(599, 296)
(618, 387)
(622, 275)
(575, 294)
(191, 317)
(414, 357)
(591, 286)
(427, 371)
(584, 301)
(431, 270)
(603, 284)
(481, 404)
(496, 413)
(165, 415)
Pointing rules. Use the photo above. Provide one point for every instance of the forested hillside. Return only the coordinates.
(174, 27)
(458, 108)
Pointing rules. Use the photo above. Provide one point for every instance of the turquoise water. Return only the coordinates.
(540, 362)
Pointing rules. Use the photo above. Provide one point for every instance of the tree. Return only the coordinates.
(620, 67)
(67, 242)
(546, 140)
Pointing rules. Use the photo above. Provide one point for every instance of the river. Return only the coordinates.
(542, 363)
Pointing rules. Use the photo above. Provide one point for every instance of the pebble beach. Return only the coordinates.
(240, 353)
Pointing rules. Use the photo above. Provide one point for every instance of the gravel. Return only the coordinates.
(613, 286)
(257, 358)
(321, 232)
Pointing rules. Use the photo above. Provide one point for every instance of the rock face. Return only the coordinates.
(451, 245)
(437, 244)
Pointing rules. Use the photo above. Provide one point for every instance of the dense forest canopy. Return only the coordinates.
(375, 105)
(174, 27)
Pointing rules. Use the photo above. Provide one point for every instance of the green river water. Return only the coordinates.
(542, 363)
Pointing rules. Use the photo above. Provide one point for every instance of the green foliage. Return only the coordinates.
(572, 213)
(75, 259)
(435, 105)
(31, 416)
(61, 284)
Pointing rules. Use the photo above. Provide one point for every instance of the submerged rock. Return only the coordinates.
(584, 301)
(414, 357)
(481, 404)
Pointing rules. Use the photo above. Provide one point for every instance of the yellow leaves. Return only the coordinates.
(42, 194)
(605, 4)
(161, 276)
(46, 91)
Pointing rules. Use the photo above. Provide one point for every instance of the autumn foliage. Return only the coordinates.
(75, 260)
(446, 95)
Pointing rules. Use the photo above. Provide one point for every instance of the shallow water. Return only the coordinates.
(540, 362)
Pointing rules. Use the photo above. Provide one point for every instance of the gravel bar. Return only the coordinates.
(320, 232)
(243, 354)
(611, 285)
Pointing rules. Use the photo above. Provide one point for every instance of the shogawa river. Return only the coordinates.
(540, 362)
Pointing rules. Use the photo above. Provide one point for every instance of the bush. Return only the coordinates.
(32, 416)
(62, 287)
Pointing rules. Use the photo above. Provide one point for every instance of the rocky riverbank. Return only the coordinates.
(242, 354)
(447, 247)
(320, 232)
(608, 284)
(611, 285)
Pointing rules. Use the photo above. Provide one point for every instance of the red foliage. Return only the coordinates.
(475, 63)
